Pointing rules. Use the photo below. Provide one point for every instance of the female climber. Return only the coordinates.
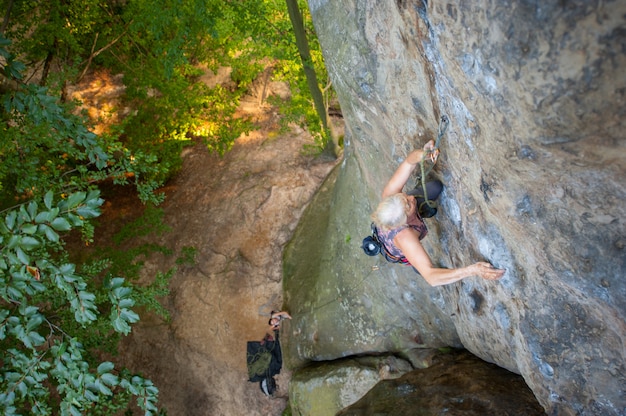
(400, 227)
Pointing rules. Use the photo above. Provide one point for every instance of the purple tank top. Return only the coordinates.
(386, 237)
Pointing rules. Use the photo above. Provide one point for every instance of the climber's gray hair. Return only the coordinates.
(391, 212)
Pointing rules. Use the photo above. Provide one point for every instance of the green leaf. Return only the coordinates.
(120, 325)
(30, 243)
(14, 69)
(13, 293)
(47, 199)
(122, 292)
(14, 241)
(116, 282)
(29, 228)
(23, 215)
(89, 395)
(74, 199)
(61, 224)
(47, 216)
(67, 269)
(109, 379)
(94, 195)
(32, 209)
(3, 327)
(129, 315)
(36, 339)
(34, 322)
(50, 234)
(22, 388)
(54, 212)
(9, 220)
(86, 296)
(105, 367)
(23, 257)
(43, 216)
(74, 411)
(75, 220)
(87, 212)
(89, 315)
(37, 286)
(103, 388)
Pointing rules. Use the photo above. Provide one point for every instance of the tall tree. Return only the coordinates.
(309, 70)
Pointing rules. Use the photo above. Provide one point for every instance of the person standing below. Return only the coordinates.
(276, 318)
(264, 358)
(400, 227)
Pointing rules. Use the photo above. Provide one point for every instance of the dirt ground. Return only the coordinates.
(237, 212)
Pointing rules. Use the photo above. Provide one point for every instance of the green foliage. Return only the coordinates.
(149, 222)
(46, 306)
(12, 69)
(188, 256)
(158, 58)
(44, 146)
(148, 296)
(118, 261)
(287, 411)
(53, 317)
(156, 47)
(160, 47)
(288, 67)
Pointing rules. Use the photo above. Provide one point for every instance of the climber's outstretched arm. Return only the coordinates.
(408, 241)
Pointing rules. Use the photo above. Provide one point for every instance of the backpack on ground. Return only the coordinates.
(264, 360)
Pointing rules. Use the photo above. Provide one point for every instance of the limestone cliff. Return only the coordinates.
(534, 169)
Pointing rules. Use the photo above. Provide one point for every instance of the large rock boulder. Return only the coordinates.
(326, 388)
(533, 166)
(457, 384)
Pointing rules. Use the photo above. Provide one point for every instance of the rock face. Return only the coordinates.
(534, 169)
(457, 384)
(322, 389)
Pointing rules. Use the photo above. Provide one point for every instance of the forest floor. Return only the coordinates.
(236, 212)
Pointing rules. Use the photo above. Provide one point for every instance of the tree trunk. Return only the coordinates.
(7, 15)
(309, 72)
(48, 63)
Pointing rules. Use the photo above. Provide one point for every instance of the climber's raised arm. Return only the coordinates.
(403, 172)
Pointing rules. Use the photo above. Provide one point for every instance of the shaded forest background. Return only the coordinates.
(61, 313)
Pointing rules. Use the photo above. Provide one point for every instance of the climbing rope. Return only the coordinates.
(443, 126)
